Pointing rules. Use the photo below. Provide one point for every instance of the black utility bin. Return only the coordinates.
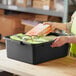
(34, 53)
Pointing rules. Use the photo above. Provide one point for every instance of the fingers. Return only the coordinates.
(56, 43)
(53, 25)
(49, 23)
(59, 41)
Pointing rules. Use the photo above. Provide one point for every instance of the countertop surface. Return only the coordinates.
(60, 67)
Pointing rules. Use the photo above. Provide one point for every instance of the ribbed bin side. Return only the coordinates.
(20, 52)
(45, 53)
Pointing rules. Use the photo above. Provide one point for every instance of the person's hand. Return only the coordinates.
(59, 41)
(52, 25)
(56, 26)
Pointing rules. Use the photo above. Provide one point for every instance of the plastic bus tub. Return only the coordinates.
(34, 53)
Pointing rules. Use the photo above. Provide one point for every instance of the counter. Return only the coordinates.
(60, 67)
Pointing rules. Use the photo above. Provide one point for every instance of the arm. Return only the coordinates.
(72, 39)
(60, 26)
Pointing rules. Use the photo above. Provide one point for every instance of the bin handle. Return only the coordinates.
(23, 43)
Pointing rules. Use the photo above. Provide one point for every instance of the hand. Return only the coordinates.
(51, 25)
(54, 26)
(59, 41)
